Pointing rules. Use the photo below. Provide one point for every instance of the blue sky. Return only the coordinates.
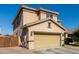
(68, 13)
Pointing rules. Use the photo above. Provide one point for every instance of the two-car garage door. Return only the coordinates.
(43, 40)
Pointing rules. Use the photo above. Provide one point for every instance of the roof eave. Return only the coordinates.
(19, 10)
(26, 25)
(42, 9)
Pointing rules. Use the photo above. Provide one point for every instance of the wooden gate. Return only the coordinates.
(8, 41)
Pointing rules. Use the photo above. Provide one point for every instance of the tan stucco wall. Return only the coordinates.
(42, 15)
(16, 30)
(29, 16)
(43, 27)
(32, 16)
(55, 18)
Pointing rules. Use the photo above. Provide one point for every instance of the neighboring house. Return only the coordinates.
(38, 28)
(69, 33)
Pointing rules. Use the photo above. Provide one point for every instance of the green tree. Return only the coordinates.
(76, 35)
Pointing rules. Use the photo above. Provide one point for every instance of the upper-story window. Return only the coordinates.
(17, 21)
(59, 30)
(49, 24)
(49, 16)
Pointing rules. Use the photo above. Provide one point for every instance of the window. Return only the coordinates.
(17, 21)
(59, 30)
(49, 24)
(49, 16)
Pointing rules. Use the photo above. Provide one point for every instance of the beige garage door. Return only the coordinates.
(46, 40)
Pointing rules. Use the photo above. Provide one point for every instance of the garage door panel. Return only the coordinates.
(46, 40)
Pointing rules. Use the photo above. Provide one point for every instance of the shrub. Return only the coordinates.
(68, 40)
(76, 44)
(76, 35)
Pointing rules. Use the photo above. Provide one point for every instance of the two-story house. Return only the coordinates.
(38, 28)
